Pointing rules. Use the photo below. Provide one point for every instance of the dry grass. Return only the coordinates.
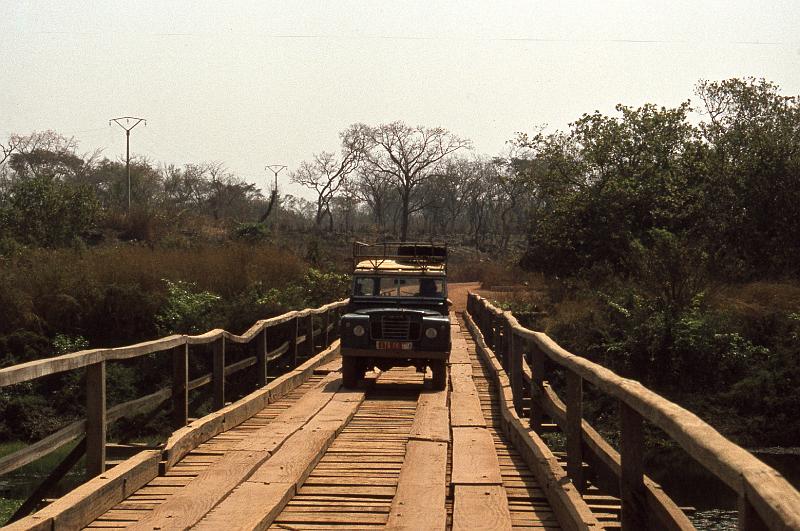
(224, 269)
(757, 299)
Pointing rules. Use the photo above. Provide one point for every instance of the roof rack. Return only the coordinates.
(418, 254)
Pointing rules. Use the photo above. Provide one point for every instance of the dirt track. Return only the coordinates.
(457, 292)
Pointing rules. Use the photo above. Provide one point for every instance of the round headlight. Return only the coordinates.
(431, 333)
(358, 330)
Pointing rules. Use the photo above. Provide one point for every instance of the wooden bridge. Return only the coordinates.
(301, 452)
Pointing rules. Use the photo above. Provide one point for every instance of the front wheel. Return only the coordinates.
(439, 370)
(350, 372)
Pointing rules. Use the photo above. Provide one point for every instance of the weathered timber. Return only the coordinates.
(218, 378)
(771, 496)
(605, 461)
(632, 492)
(95, 419)
(186, 439)
(187, 507)
(270, 487)
(573, 431)
(24, 372)
(480, 507)
(571, 510)
(431, 418)
(93, 498)
(420, 499)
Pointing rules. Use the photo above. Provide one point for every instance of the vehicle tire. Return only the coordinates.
(350, 372)
(439, 370)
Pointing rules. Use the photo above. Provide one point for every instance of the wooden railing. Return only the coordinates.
(298, 335)
(766, 499)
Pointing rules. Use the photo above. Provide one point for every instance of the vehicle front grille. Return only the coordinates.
(395, 328)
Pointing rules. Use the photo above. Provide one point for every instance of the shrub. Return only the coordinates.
(187, 310)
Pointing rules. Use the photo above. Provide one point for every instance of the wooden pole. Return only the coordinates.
(309, 336)
(180, 386)
(503, 341)
(218, 377)
(293, 326)
(261, 358)
(631, 484)
(537, 387)
(574, 429)
(95, 419)
(326, 322)
(749, 519)
(515, 346)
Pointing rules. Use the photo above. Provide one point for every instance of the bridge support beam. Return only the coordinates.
(575, 429)
(95, 419)
(631, 486)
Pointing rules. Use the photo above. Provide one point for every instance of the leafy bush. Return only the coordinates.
(315, 289)
(187, 310)
(41, 210)
(250, 232)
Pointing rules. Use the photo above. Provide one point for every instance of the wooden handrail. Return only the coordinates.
(764, 495)
(178, 344)
(32, 370)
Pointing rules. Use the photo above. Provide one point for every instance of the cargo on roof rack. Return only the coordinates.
(422, 255)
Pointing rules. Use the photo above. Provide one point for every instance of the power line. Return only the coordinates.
(128, 127)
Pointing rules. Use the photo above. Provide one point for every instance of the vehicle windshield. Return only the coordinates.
(398, 287)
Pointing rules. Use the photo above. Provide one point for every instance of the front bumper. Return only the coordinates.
(395, 354)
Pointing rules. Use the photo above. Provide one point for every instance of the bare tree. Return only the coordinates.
(406, 156)
(373, 189)
(327, 173)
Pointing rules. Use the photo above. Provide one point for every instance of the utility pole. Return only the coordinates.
(276, 169)
(273, 196)
(128, 127)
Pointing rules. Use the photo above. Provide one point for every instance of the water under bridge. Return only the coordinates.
(498, 449)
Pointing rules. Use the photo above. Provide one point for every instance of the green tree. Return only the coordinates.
(752, 189)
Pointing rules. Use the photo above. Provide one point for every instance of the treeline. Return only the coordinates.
(387, 181)
(674, 234)
(724, 192)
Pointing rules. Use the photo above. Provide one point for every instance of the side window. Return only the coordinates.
(364, 287)
(388, 287)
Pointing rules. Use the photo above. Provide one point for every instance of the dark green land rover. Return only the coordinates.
(398, 315)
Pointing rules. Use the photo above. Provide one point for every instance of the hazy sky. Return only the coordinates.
(252, 83)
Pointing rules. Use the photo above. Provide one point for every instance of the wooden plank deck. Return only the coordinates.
(405, 455)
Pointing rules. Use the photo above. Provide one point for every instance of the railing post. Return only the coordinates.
(310, 336)
(326, 322)
(505, 326)
(574, 400)
(180, 386)
(748, 518)
(295, 323)
(261, 358)
(631, 484)
(515, 346)
(95, 419)
(537, 386)
(218, 376)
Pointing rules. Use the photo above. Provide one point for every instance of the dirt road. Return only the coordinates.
(457, 292)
